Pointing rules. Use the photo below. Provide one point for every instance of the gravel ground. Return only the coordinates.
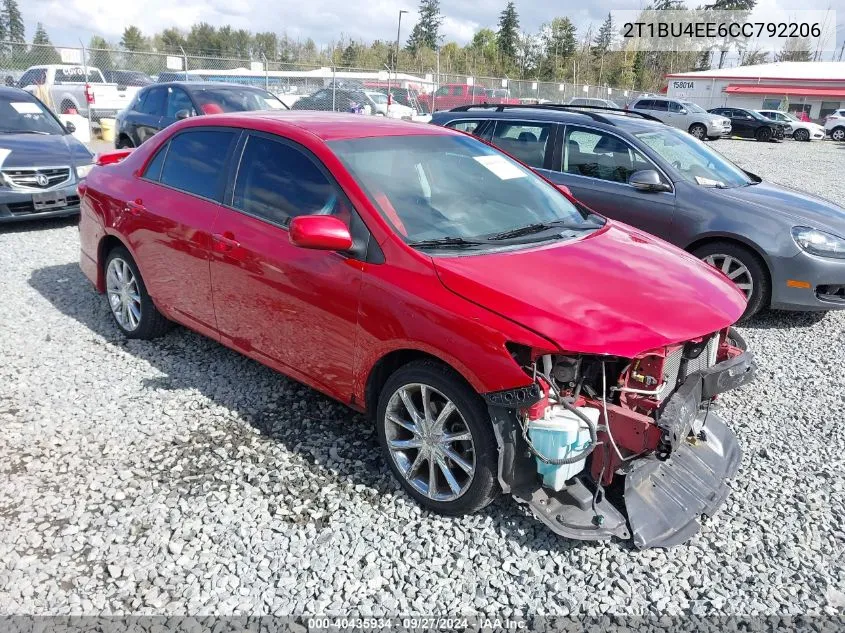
(179, 477)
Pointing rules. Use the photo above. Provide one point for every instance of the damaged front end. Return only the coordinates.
(603, 446)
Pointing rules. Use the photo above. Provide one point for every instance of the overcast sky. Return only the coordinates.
(68, 21)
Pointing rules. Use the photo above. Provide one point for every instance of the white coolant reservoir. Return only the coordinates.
(557, 435)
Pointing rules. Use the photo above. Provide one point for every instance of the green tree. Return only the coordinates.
(426, 32)
(203, 39)
(99, 53)
(266, 44)
(13, 21)
(170, 41)
(42, 51)
(133, 39)
(507, 37)
(604, 38)
(796, 50)
(558, 42)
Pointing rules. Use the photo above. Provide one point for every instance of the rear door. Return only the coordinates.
(743, 124)
(146, 119)
(169, 221)
(294, 308)
(528, 141)
(596, 166)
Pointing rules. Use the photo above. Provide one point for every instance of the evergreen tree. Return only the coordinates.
(558, 44)
(797, 50)
(508, 33)
(426, 32)
(99, 55)
(13, 22)
(133, 39)
(171, 41)
(604, 38)
(42, 51)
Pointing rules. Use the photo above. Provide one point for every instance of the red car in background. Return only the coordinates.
(450, 96)
(501, 336)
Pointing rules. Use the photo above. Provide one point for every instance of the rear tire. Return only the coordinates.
(763, 135)
(801, 135)
(131, 306)
(413, 444)
(124, 142)
(698, 131)
(838, 134)
(747, 269)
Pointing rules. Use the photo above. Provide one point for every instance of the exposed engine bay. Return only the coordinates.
(602, 446)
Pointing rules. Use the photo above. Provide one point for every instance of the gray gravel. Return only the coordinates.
(179, 477)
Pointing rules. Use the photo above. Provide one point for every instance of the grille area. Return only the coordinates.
(672, 366)
(37, 177)
(25, 208)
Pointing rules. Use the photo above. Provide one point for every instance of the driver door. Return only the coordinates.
(177, 101)
(596, 166)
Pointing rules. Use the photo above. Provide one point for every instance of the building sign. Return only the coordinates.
(174, 63)
(70, 55)
(685, 84)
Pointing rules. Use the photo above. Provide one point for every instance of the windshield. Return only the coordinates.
(693, 107)
(26, 116)
(695, 161)
(754, 114)
(455, 188)
(235, 99)
(377, 97)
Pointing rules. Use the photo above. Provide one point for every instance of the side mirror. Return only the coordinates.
(648, 180)
(320, 232)
(683, 111)
(70, 127)
(183, 114)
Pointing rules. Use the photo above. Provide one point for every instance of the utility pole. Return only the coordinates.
(398, 29)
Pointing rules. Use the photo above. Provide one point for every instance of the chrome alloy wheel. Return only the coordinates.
(122, 291)
(430, 442)
(735, 270)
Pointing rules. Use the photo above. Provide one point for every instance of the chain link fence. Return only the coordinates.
(320, 85)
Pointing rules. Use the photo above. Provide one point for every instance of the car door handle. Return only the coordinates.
(134, 208)
(224, 243)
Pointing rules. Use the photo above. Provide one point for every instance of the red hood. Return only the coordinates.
(619, 291)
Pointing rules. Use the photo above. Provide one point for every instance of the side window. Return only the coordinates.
(442, 92)
(598, 155)
(465, 126)
(675, 107)
(35, 77)
(178, 99)
(525, 141)
(154, 102)
(195, 161)
(153, 170)
(277, 182)
(660, 106)
(458, 91)
(643, 104)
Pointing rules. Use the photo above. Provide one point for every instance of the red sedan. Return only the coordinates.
(502, 336)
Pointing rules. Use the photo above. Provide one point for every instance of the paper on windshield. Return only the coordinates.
(25, 107)
(709, 182)
(501, 166)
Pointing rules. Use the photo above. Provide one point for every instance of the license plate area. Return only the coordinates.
(49, 200)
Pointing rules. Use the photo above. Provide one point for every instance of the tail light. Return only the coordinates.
(110, 158)
(89, 93)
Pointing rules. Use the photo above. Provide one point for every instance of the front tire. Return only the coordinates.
(131, 305)
(744, 268)
(438, 439)
(698, 131)
(764, 135)
(801, 135)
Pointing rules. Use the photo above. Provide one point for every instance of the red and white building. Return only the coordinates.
(817, 88)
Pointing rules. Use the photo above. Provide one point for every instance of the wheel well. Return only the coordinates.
(124, 135)
(753, 249)
(388, 364)
(105, 246)
(698, 125)
(838, 127)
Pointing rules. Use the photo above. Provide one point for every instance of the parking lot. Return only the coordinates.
(176, 476)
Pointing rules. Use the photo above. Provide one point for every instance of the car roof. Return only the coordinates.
(9, 91)
(329, 126)
(612, 120)
(193, 85)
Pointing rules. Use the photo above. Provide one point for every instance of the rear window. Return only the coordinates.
(76, 75)
(195, 161)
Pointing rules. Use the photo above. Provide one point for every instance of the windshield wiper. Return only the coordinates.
(537, 227)
(446, 242)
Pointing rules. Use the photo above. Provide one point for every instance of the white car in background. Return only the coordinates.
(378, 102)
(834, 124)
(798, 129)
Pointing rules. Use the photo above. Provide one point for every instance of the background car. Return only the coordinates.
(66, 88)
(128, 78)
(796, 128)
(834, 125)
(348, 99)
(663, 181)
(159, 105)
(751, 124)
(427, 279)
(684, 115)
(589, 101)
(41, 163)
